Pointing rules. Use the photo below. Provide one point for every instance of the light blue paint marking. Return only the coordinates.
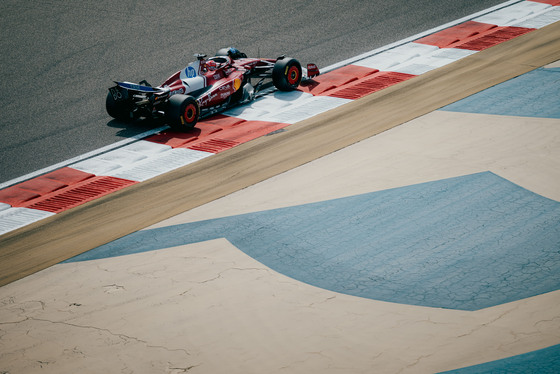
(543, 361)
(466, 243)
(535, 94)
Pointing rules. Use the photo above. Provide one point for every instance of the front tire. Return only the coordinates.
(182, 112)
(286, 74)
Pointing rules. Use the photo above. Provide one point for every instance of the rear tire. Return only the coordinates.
(182, 112)
(117, 109)
(286, 74)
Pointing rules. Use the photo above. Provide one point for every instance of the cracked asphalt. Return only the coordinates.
(429, 244)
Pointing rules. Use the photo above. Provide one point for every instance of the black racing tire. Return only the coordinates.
(117, 109)
(182, 112)
(286, 74)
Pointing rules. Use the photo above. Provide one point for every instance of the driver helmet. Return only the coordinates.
(232, 52)
(211, 65)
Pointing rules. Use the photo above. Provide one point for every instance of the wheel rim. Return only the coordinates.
(293, 75)
(190, 113)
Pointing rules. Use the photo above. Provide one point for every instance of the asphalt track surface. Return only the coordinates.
(58, 58)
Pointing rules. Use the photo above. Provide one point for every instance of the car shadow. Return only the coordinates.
(128, 129)
(309, 84)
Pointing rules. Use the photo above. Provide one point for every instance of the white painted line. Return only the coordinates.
(163, 163)
(96, 166)
(128, 156)
(14, 218)
(310, 108)
(387, 60)
(265, 107)
(515, 13)
(441, 57)
(541, 20)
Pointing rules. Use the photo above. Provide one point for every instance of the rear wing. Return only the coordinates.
(138, 87)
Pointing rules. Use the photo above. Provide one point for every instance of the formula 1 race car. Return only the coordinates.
(205, 87)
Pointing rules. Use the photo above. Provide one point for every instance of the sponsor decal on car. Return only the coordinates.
(190, 72)
(236, 84)
(205, 100)
(117, 95)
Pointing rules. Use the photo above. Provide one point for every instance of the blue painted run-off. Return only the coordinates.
(535, 94)
(466, 243)
(543, 361)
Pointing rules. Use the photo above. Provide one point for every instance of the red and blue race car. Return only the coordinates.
(205, 87)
